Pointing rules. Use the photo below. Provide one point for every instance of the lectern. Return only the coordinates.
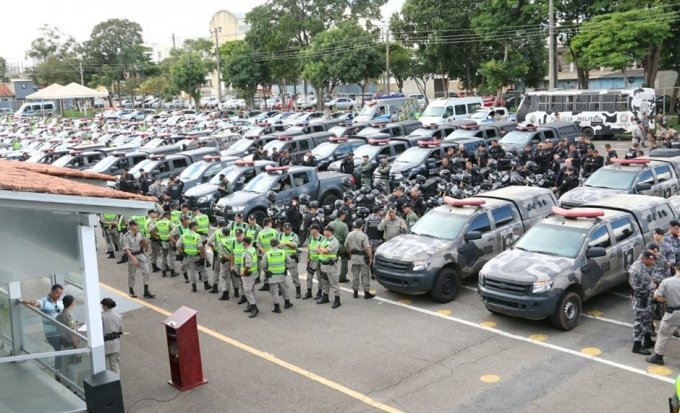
(181, 331)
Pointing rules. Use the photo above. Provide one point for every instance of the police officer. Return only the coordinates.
(671, 238)
(109, 223)
(384, 173)
(392, 225)
(347, 164)
(225, 254)
(340, 231)
(162, 229)
(410, 217)
(237, 223)
(122, 229)
(264, 239)
(214, 241)
(112, 326)
(642, 285)
(275, 261)
(668, 293)
(175, 236)
(360, 256)
(496, 151)
(313, 241)
(366, 172)
(328, 265)
(134, 245)
(288, 241)
(248, 272)
(203, 229)
(192, 250)
(375, 235)
(238, 250)
(156, 247)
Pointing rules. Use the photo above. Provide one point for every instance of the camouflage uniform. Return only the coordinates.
(642, 285)
(674, 243)
(367, 174)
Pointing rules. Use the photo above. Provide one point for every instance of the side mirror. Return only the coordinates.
(596, 252)
(473, 235)
(535, 141)
(643, 187)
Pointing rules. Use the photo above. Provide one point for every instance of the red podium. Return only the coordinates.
(181, 330)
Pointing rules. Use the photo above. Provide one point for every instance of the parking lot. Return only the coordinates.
(392, 353)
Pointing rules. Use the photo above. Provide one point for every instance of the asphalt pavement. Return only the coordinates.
(392, 353)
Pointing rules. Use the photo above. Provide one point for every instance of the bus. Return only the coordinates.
(603, 112)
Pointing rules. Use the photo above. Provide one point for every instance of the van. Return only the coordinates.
(444, 110)
(35, 109)
(385, 108)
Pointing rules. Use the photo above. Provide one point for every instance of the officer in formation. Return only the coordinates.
(375, 235)
(642, 286)
(366, 169)
(673, 240)
(328, 267)
(156, 250)
(134, 246)
(410, 217)
(175, 235)
(237, 223)
(161, 230)
(275, 261)
(190, 247)
(214, 240)
(668, 294)
(112, 326)
(340, 231)
(225, 255)
(264, 240)
(122, 229)
(203, 229)
(313, 241)
(109, 223)
(289, 241)
(248, 271)
(358, 247)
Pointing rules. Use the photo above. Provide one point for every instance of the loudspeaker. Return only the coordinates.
(103, 393)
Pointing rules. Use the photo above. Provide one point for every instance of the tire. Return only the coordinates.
(329, 199)
(446, 286)
(588, 132)
(568, 311)
(259, 215)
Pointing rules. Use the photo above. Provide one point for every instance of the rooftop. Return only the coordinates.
(5, 91)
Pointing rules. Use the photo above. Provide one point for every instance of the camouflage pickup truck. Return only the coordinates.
(453, 241)
(570, 257)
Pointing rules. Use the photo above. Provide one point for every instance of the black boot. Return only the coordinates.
(116, 247)
(647, 341)
(336, 303)
(253, 311)
(236, 294)
(356, 294)
(655, 359)
(248, 308)
(323, 300)
(122, 259)
(298, 293)
(173, 273)
(319, 294)
(287, 304)
(277, 309)
(214, 289)
(132, 293)
(147, 293)
(186, 278)
(193, 288)
(242, 300)
(265, 287)
(164, 274)
(206, 285)
(308, 295)
(224, 296)
(368, 295)
(110, 254)
(155, 268)
(637, 348)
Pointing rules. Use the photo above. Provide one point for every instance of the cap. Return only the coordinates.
(239, 231)
(274, 242)
(240, 215)
(365, 156)
(247, 240)
(183, 217)
(286, 225)
(652, 246)
(328, 228)
(648, 254)
(132, 222)
(660, 231)
(675, 223)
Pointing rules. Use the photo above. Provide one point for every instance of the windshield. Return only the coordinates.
(62, 161)
(612, 179)
(369, 150)
(232, 173)
(254, 131)
(261, 183)
(324, 150)
(154, 143)
(433, 111)
(274, 144)
(367, 110)
(338, 131)
(462, 133)
(441, 225)
(193, 171)
(420, 132)
(516, 138)
(105, 164)
(146, 164)
(551, 239)
(413, 155)
(240, 145)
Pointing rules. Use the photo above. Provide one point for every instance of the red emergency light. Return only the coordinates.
(578, 212)
(264, 124)
(464, 202)
(276, 169)
(157, 157)
(241, 162)
(379, 141)
(527, 127)
(470, 126)
(636, 161)
(285, 138)
(338, 139)
(428, 144)
(431, 126)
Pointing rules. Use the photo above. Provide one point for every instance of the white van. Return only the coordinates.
(387, 108)
(35, 109)
(441, 111)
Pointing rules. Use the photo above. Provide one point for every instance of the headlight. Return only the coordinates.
(203, 200)
(421, 265)
(480, 279)
(542, 286)
(238, 208)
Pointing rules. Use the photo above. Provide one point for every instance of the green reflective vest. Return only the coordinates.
(190, 243)
(288, 238)
(16, 145)
(313, 244)
(233, 226)
(266, 236)
(227, 245)
(677, 386)
(218, 238)
(122, 224)
(141, 224)
(276, 261)
(163, 228)
(109, 219)
(174, 217)
(326, 256)
(251, 232)
(203, 224)
(253, 253)
(238, 250)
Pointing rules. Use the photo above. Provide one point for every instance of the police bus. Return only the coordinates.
(601, 112)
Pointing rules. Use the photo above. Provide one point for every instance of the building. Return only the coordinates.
(7, 99)
(223, 27)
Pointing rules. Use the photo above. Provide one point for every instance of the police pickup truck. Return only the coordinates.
(645, 176)
(378, 146)
(326, 187)
(423, 159)
(570, 257)
(453, 241)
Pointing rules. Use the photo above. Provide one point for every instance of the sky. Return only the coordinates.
(159, 19)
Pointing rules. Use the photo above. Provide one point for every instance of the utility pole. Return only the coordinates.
(552, 52)
(215, 31)
(387, 60)
(82, 80)
(173, 41)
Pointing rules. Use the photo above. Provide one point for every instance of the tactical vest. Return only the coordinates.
(233, 226)
(175, 217)
(327, 256)
(163, 229)
(287, 238)
(276, 261)
(190, 243)
(372, 228)
(203, 224)
(253, 253)
(312, 245)
(238, 251)
(265, 237)
(141, 224)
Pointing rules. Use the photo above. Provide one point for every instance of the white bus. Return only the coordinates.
(597, 112)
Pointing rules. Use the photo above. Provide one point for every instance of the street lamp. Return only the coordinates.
(216, 31)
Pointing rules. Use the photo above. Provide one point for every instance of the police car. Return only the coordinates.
(423, 159)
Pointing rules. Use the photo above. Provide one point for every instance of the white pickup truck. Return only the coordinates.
(485, 115)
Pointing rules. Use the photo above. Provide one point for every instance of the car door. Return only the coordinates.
(645, 177)
(478, 252)
(629, 244)
(596, 270)
(284, 189)
(666, 181)
(507, 226)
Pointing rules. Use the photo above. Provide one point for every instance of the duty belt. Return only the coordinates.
(137, 252)
(112, 336)
(328, 262)
(670, 310)
(358, 252)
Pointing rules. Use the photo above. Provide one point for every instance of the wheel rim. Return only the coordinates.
(448, 286)
(569, 310)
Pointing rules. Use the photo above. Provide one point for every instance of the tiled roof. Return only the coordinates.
(47, 179)
(5, 91)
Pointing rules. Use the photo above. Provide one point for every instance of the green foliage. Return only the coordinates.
(3, 70)
(498, 73)
(187, 72)
(58, 57)
(241, 70)
(401, 63)
(159, 86)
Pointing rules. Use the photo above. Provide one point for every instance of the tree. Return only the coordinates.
(158, 86)
(401, 62)
(498, 74)
(3, 70)
(187, 72)
(620, 39)
(58, 57)
(242, 70)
